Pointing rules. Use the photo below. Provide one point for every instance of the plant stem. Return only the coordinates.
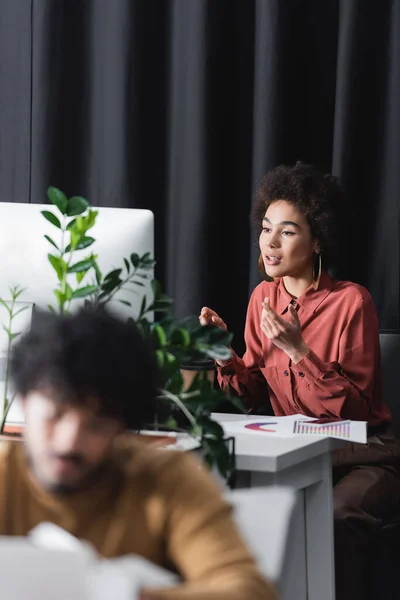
(5, 400)
(119, 286)
(180, 405)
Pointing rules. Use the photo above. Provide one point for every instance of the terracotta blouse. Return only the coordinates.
(339, 378)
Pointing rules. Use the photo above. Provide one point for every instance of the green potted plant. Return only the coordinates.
(183, 406)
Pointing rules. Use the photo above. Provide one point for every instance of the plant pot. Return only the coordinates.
(11, 437)
(12, 432)
(189, 370)
(155, 438)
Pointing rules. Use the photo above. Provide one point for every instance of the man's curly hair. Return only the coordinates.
(91, 354)
(317, 195)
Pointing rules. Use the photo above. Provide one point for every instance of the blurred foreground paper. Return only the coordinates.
(121, 577)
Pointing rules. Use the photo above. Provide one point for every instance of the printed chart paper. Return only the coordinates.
(294, 425)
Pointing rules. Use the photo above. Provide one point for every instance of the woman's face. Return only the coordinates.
(286, 244)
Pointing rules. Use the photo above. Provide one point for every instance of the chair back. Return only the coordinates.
(390, 351)
(265, 518)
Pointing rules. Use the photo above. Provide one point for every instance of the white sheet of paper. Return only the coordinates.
(263, 425)
(294, 425)
(120, 578)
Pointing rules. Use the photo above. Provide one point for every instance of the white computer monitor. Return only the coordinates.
(118, 232)
(23, 250)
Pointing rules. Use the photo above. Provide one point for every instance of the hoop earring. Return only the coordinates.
(317, 270)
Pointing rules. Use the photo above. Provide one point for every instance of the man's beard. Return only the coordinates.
(89, 479)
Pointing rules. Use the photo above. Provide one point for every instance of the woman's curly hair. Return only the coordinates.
(317, 195)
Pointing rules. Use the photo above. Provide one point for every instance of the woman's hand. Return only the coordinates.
(210, 317)
(286, 335)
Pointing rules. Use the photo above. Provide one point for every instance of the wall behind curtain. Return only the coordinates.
(180, 106)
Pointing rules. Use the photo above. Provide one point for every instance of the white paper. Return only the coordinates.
(295, 425)
(122, 577)
(273, 426)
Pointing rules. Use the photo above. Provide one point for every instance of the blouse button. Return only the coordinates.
(301, 374)
(286, 373)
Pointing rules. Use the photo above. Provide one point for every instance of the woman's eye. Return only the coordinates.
(266, 229)
(288, 233)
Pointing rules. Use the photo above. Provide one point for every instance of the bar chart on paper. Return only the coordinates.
(355, 431)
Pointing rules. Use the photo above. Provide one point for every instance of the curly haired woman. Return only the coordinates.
(312, 347)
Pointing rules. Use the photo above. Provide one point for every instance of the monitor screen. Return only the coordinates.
(118, 232)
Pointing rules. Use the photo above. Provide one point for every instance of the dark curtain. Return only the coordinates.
(180, 106)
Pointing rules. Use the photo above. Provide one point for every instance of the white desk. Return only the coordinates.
(305, 464)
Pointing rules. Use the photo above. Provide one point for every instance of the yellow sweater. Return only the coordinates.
(157, 504)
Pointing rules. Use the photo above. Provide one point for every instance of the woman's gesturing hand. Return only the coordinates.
(285, 334)
(210, 317)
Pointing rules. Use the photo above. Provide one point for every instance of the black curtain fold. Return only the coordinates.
(180, 106)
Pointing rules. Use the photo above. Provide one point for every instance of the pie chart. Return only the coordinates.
(265, 426)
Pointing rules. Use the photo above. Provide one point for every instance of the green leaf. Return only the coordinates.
(211, 428)
(158, 335)
(144, 327)
(71, 224)
(14, 335)
(192, 324)
(171, 424)
(135, 259)
(17, 291)
(156, 287)
(51, 309)
(76, 206)
(8, 308)
(211, 335)
(51, 218)
(68, 292)
(110, 285)
(91, 218)
(6, 329)
(79, 276)
(181, 337)
(75, 239)
(83, 265)
(60, 298)
(127, 265)
(217, 352)
(146, 259)
(99, 276)
(160, 306)
(84, 242)
(175, 383)
(169, 324)
(88, 290)
(58, 265)
(160, 358)
(58, 198)
(143, 306)
(52, 242)
(113, 274)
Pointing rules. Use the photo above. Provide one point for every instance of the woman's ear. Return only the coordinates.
(317, 247)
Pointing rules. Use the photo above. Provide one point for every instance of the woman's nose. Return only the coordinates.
(272, 241)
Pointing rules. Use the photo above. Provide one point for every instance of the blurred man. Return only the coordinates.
(83, 381)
